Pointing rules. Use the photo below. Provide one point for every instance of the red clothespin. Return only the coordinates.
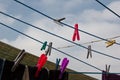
(41, 61)
(63, 67)
(89, 52)
(76, 33)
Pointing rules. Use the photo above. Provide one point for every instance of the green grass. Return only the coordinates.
(8, 52)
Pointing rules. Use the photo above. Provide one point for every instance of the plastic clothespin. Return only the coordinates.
(63, 67)
(41, 61)
(57, 21)
(26, 73)
(89, 52)
(57, 63)
(110, 43)
(76, 33)
(17, 60)
(48, 51)
(107, 69)
(44, 45)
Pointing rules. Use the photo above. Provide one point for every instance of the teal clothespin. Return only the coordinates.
(44, 45)
(57, 63)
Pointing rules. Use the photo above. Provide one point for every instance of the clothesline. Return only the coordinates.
(52, 47)
(58, 36)
(88, 42)
(108, 8)
(90, 73)
(62, 22)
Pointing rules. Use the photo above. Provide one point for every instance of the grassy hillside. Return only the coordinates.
(9, 52)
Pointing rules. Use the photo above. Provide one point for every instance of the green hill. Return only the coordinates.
(8, 52)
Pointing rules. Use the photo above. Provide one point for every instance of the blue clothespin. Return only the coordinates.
(44, 45)
(57, 63)
(63, 67)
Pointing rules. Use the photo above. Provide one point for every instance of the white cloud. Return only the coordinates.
(93, 21)
(115, 7)
(101, 16)
(71, 4)
(2, 7)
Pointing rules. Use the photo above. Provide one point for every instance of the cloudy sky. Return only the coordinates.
(91, 17)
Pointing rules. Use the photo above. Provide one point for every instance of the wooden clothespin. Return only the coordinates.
(57, 21)
(110, 43)
(17, 60)
(44, 45)
(48, 51)
(89, 52)
(76, 33)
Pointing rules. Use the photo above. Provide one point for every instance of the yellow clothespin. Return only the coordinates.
(110, 43)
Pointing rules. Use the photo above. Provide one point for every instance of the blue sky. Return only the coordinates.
(91, 17)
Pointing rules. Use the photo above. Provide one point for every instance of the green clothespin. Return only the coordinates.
(44, 45)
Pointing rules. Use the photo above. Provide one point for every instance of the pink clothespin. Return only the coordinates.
(41, 61)
(76, 33)
(63, 67)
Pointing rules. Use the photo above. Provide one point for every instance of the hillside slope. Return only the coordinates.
(9, 52)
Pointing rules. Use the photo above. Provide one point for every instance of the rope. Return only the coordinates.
(61, 22)
(108, 8)
(52, 47)
(88, 42)
(59, 36)
(90, 73)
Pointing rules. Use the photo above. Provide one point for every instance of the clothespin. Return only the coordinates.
(63, 67)
(89, 52)
(107, 69)
(76, 33)
(26, 74)
(110, 42)
(44, 45)
(57, 63)
(57, 21)
(41, 61)
(17, 60)
(48, 51)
